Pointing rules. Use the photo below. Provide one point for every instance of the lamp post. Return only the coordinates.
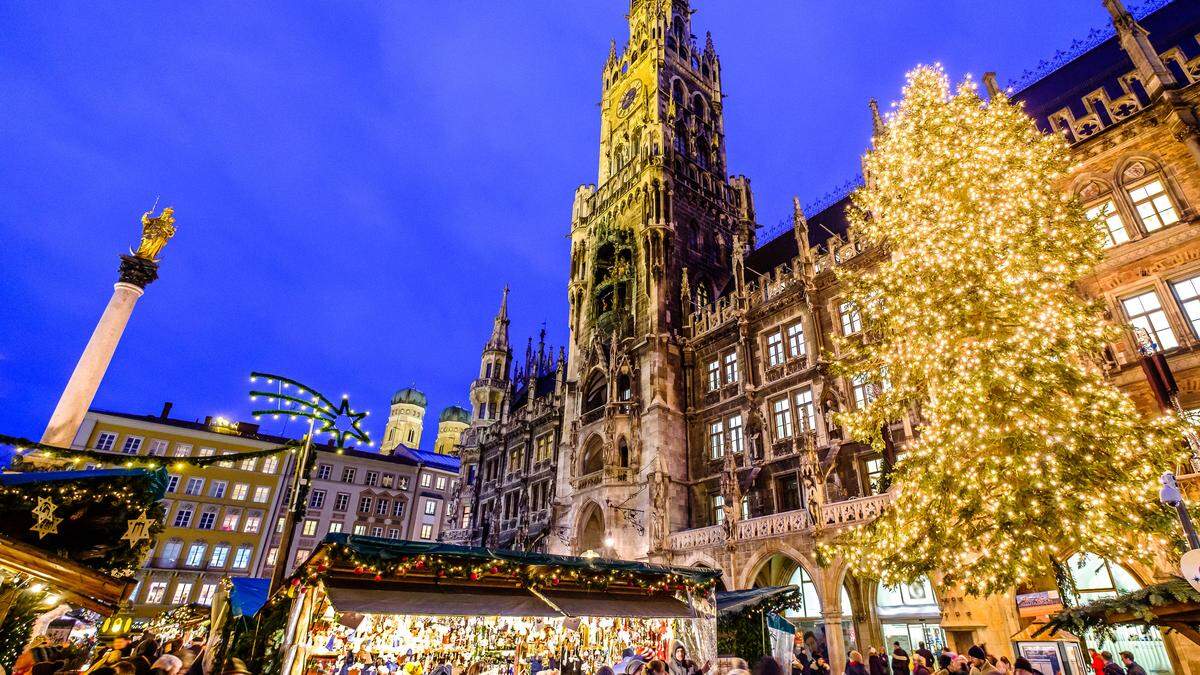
(1189, 563)
(312, 404)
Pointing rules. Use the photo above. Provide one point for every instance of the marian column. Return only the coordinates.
(137, 271)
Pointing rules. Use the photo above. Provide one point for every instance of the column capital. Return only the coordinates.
(137, 271)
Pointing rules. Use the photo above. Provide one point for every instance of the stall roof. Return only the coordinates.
(730, 602)
(396, 549)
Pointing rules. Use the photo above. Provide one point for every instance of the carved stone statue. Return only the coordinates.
(829, 413)
(732, 496)
(659, 484)
(813, 481)
(156, 232)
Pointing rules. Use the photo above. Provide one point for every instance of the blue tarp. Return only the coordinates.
(30, 477)
(248, 595)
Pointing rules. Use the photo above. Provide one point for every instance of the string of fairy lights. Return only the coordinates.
(386, 567)
(1024, 450)
(310, 404)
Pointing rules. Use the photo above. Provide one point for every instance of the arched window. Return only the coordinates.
(1096, 579)
(681, 134)
(596, 394)
(591, 534)
(1147, 189)
(702, 150)
(677, 94)
(677, 28)
(623, 453)
(1102, 208)
(593, 457)
(700, 107)
(624, 387)
(810, 601)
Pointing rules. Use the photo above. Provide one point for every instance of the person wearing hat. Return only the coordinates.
(980, 665)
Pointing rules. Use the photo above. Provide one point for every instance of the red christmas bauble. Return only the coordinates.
(378, 577)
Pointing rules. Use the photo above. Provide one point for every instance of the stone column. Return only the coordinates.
(68, 415)
(835, 642)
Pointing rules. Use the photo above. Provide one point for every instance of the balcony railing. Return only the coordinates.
(835, 515)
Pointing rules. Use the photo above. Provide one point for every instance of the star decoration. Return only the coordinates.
(45, 522)
(338, 420)
(138, 530)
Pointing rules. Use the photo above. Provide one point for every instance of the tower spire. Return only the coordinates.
(499, 339)
(876, 118)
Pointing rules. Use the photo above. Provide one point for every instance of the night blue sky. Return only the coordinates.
(355, 181)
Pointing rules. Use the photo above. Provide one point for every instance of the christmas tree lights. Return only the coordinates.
(1023, 451)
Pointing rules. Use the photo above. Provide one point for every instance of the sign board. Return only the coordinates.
(1039, 604)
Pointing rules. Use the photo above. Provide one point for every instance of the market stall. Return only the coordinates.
(362, 601)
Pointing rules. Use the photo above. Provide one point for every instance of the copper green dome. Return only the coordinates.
(455, 414)
(410, 396)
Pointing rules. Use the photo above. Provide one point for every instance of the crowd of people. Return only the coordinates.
(123, 656)
(977, 661)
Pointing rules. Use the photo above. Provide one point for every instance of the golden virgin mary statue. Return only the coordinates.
(156, 232)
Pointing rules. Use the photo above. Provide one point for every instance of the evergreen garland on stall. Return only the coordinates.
(743, 633)
(94, 515)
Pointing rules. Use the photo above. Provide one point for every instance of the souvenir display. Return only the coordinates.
(378, 644)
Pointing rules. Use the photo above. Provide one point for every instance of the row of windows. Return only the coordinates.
(784, 344)
(219, 489)
(106, 441)
(377, 479)
(1149, 319)
(156, 593)
(722, 371)
(1150, 201)
(790, 414)
(202, 554)
(210, 516)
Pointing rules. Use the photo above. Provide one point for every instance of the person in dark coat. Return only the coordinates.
(855, 666)
(820, 666)
(769, 665)
(1110, 667)
(924, 653)
(1132, 667)
(919, 667)
(876, 664)
(899, 660)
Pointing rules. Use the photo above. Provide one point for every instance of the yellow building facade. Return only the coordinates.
(217, 517)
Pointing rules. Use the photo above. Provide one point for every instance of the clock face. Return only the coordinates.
(630, 97)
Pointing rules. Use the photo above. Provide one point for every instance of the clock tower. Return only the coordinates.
(651, 239)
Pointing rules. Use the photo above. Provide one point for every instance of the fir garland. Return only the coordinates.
(24, 445)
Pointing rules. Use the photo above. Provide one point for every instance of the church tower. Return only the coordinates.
(488, 391)
(663, 210)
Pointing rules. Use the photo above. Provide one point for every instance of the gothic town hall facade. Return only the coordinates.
(691, 418)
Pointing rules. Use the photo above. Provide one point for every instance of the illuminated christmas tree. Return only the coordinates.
(1023, 451)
